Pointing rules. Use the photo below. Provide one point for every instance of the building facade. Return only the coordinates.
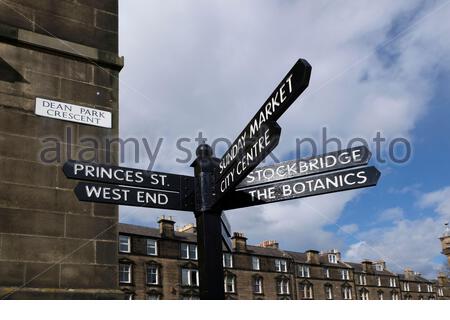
(162, 264)
(53, 246)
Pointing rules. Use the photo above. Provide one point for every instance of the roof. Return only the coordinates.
(154, 232)
(358, 267)
(271, 252)
(415, 278)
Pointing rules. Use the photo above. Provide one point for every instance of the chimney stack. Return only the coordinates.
(312, 256)
(445, 242)
(188, 228)
(442, 279)
(239, 241)
(166, 227)
(269, 244)
(409, 274)
(367, 266)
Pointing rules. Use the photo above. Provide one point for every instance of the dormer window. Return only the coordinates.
(332, 258)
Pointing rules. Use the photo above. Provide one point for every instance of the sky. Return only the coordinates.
(377, 66)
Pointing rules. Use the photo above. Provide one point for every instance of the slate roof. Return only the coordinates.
(154, 232)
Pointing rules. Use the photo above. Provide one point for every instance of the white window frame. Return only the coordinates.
(440, 292)
(332, 258)
(257, 285)
(429, 288)
(128, 271)
(227, 259)
(381, 295)
(392, 282)
(394, 296)
(255, 263)
(155, 245)
(280, 265)
(405, 286)
(188, 247)
(347, 291)
(362, 279)
(189, 273)
(329, 292)
(379, 281)
(378, 267)
(364, 295)
(229, 279)
(345, 274)
(419, 287)
(128, 243)
(327, 273)
(157, 274)
(303, 271)
(153, 297)
(283, 286)
(307, 290)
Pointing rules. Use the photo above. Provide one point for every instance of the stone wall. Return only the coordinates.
(49, 241)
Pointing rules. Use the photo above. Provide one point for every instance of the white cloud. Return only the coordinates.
(349, 228)
(440, 200)
(209, 66)
(407, 244)
(389, 214)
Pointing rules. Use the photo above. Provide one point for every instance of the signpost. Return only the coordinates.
(232, 182)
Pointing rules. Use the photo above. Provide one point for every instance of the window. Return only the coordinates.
(227, 260)
(405, 286)
(362, 280)
(379, 267)
(392, 282)
(332, 258)
(364, 294)
(280, 265)
(394, 295)
(189, 251)
(305, 290)
(124, 244)
(283, 286)
(153, 297)
(419, 287)
(189, 277)
(257, 285)
(152, 249)
(440, 292)
(129, 296)
(379, 281)
(255, 263)
(125, 273)
(347, 292)
(429, 288)
(303, 271)
(229, 283)
(345, 274)
(328, 292)
(152, 274)
(380, 295)
(326, 272)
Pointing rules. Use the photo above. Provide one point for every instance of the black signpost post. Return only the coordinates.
(232, 182)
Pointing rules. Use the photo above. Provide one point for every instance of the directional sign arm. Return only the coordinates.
(245, 161)
(303, 187)
(290, 88)
(104, 173)
(332, 161)
(137, 197)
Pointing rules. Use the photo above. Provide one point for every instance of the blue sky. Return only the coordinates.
(377, 66)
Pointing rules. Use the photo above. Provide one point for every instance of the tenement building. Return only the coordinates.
(162, 264)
